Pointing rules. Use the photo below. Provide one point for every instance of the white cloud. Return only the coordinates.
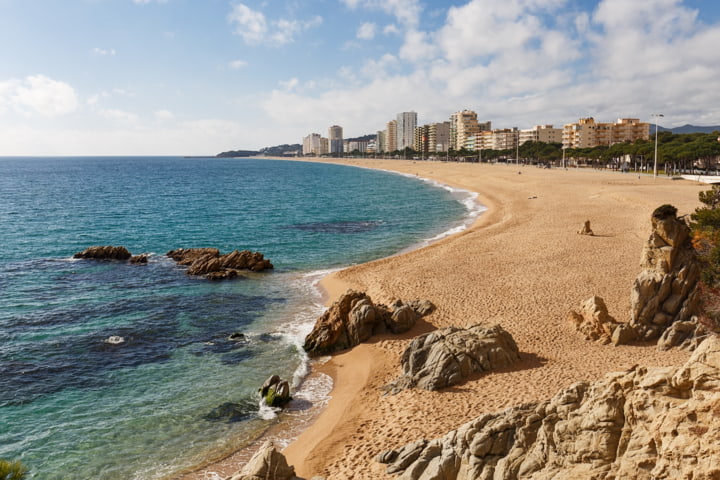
(164, 116)
(102, 52)
(237, 64)
(366, 31)
(38, 94)
(255, 29)
(407, 12)
(117, 115)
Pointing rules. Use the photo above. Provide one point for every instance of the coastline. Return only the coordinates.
(519, 264)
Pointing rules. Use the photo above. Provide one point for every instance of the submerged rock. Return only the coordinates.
(108, 252)
(641, 424)
(448, 356)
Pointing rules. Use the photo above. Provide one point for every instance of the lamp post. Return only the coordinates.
(656, 115)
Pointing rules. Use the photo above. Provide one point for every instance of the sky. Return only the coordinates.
(198, 77)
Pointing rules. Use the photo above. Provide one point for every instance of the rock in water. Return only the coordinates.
(108, 252)
(267, 464)
(209, 262)
(642, 424)
(447, 356)
(275, 392)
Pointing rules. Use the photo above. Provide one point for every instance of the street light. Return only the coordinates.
(656, 115)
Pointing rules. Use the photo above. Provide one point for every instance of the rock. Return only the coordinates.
(114, 340)
(641, 424)
(267, 464)
(353, 319)
(104, 253)
(447, 356)
(276, 392)
(209, 262)
(139, 259)
(665, 291)
(593, 320)
(586, 230)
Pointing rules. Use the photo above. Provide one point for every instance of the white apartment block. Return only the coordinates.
(315, 144)
(406, 123)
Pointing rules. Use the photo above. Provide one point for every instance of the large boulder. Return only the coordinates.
(641, 424)
(275, 392)
(267, 464)
(354, 318)
(448, 356)
(107, 252)
(209, 262)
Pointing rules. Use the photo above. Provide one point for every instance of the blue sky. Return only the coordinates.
(193, 77)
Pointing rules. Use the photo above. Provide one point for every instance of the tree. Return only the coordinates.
(12, 470)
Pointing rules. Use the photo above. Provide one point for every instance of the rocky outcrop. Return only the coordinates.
(267, 464)
(664, 297)
(108, 252)
(275, 392)
(448, 356)
(664, 292)
(209, 262)
(640, 424)
(354, 318)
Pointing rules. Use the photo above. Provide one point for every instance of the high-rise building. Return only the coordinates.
(335, 137)
(406, 123)
(439, 137)
(588, 133)
(381, 143)
(392, 136)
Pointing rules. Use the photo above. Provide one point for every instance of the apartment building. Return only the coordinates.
(335, 137)
(406, 123)
(541, 133)
(381, 141)
(464, 127)
(498, 139)
(391, 136)
(439, 137)
(587, 133)
(315, 144)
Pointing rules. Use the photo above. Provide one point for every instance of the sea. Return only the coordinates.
(111, 370)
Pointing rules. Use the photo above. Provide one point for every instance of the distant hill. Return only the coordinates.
(686, 129)
(237, 153)
(363, 138)
(284, 150)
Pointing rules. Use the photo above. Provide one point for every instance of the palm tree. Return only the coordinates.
(12, 470)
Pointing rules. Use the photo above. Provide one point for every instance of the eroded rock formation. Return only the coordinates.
(664, 298)
(267, 464)
(448, 356)
(209, 262)
(354, 318)
(107, 252)
(640, 424)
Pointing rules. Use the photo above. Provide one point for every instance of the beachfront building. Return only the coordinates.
(357, 146)
(406, 123)
(464, 128)
(498, 139)
(335, 137)
(587, 133)
(315, 144)
(541, 133)
(439, 137)
(381, 141)
(391, 136)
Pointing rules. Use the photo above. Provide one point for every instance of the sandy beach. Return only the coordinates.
(521, 265)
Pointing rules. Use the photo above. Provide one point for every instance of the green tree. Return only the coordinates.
(12, 470)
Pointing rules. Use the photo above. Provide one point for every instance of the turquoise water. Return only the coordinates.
(176, 392)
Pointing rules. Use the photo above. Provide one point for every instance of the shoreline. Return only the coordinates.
(297, 420)
(507, 253)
